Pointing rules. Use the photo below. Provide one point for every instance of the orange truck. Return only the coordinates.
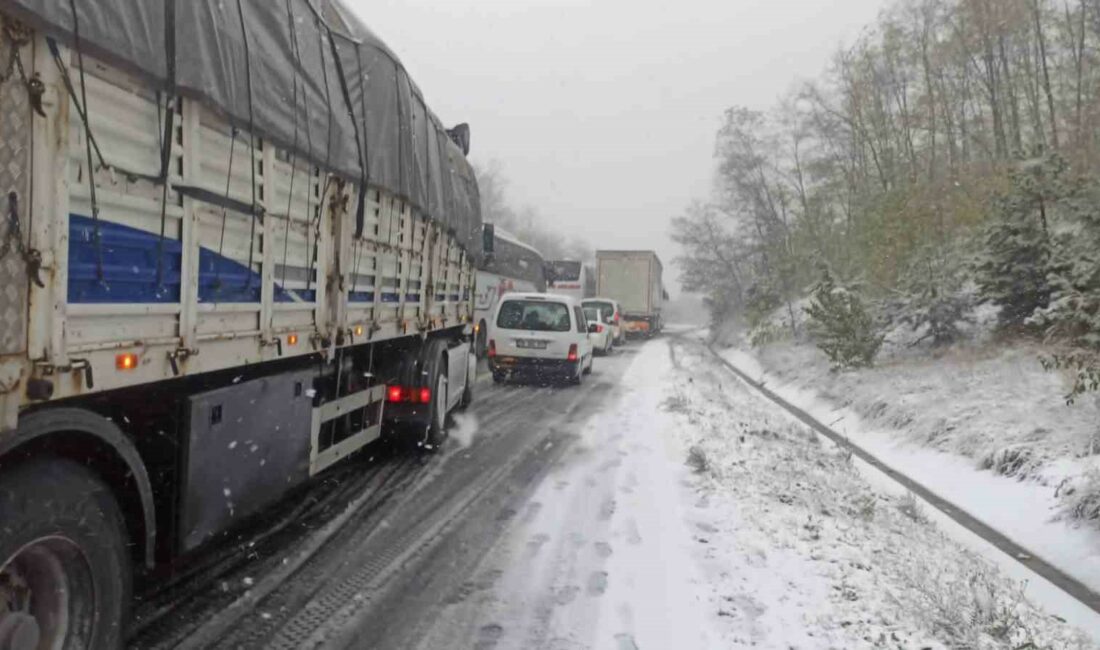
(633, 278)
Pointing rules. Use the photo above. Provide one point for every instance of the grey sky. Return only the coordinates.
(603, 112)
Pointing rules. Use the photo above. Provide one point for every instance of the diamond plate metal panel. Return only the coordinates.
(15, 140)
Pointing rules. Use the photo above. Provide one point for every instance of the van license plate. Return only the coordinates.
(531, 344)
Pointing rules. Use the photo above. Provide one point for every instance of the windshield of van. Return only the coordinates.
(534, 315)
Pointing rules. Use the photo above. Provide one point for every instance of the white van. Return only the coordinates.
(543, 335)
(612, 313)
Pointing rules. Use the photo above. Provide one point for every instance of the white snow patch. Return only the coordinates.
(464, 429)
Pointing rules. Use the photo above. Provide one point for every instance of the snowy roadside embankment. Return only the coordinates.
(985, 429)
(692, 513)
(855, 566)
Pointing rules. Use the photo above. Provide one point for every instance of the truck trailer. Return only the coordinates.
(235, 247)
(633, 278)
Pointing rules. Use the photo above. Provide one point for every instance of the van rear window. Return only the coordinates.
(607, 308)
(534, 315)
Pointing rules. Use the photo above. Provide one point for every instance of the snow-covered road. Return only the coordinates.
(605, 555)
(691, 513)
(661, 505)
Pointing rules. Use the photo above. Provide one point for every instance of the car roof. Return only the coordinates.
(599, 299)
(547, 297)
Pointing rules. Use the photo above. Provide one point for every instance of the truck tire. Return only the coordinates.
(436, 367)
(468, 392)
(65, 546)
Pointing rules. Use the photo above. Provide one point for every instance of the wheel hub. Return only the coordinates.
(19, 631)
(47, 597)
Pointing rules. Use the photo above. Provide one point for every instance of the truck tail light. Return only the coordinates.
(572, 352)
(398, 394)
(492, 348)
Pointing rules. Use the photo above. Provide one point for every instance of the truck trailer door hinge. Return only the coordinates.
(180, 354)
(83, 364)
(276, 341)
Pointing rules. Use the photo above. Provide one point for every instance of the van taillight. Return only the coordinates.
(492, 348)
(572, 352)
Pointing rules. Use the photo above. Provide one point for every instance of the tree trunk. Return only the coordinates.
(1037, 15)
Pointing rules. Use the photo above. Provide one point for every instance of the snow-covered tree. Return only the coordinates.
(1014, 271)
(935, 293)
(841, 325)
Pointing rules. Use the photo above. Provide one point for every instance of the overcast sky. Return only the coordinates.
(603, 112)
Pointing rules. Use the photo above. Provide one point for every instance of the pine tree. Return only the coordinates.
(936, 294)
(1014, 271)
(841, 325)
(1072, 317)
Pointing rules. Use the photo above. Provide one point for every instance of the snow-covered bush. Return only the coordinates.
(841, 326)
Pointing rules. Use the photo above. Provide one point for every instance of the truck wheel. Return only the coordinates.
(498, 377)
(468, 392)
(64, 568)
(436, 431)
(437, 427)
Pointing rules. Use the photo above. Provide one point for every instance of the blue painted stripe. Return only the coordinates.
(129, 257)
(129, 263)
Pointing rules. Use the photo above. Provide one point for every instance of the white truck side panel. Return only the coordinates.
(294, 282)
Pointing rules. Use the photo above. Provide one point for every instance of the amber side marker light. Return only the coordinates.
(126, 361)
(359, 330)
(292, 339)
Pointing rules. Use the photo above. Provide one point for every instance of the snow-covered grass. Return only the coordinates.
(814, 557)
(986, 400)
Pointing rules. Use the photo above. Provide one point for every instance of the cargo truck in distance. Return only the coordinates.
(633, 279)
(228, 259)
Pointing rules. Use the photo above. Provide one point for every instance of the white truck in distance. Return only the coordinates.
(633, 278)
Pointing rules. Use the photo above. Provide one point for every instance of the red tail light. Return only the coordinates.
(409, 395)
(599, 328)
(572, 352)
(492, 348)
(616, 318)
